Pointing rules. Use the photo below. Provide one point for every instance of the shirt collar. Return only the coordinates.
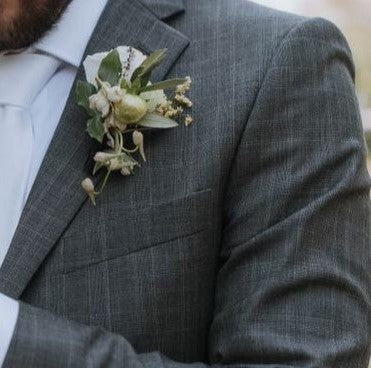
(70, 36)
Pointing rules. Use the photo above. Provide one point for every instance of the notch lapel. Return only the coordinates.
(164, 8)
(57, 195)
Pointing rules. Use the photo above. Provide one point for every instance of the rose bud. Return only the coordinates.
(88, 185)
(103, 157)
(125, 171)
(130, 109)
(137, 138)
(138, 141)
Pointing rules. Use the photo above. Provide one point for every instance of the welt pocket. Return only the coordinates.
(124, 230)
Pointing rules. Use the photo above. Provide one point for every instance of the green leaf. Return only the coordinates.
(83, 91)
(95, 128)
(135, 87)
(124, 84)
(153, 120)
(143, 72)
(168, 84)
(111, 68)
(127, 160)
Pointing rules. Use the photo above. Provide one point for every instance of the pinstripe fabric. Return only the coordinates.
(244, 241)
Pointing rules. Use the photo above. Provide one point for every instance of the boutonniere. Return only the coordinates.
(121, 103)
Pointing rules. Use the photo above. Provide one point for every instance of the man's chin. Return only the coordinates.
(17, 43)
(32, 22)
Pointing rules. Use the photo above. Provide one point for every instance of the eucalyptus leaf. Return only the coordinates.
(83, 91)
(124, 84)
(153, 120)
(110, 69)
(95, 128)
(143, 72)
(135, 87)
(168, 84)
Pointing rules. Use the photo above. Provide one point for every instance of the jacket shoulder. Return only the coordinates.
(242, 18)
(242, 27)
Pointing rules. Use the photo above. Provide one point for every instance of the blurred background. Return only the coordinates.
(353, 17)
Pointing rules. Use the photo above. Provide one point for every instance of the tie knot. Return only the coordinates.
(22, 77)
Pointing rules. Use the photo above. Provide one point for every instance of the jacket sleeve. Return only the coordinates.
(293, 289)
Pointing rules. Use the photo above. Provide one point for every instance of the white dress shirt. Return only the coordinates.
(67, 42)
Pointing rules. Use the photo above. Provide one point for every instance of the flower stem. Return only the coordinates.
(130, 151)
(104, 183)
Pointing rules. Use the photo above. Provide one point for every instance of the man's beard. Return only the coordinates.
(29, 21)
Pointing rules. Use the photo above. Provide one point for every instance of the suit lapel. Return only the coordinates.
(164, 8)
(57, 196)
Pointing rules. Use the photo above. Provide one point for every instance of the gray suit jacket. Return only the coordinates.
(245, 239)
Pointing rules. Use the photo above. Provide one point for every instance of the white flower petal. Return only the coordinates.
(92, 62)
(137, 59)
(115, 94)
(100, 103)
(91, 66)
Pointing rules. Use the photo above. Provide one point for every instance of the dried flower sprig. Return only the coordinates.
(120, 104)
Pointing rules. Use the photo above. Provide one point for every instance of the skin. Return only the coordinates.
(22, 22)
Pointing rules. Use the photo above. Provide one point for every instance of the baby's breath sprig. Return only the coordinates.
(120, 105)
(176, 107)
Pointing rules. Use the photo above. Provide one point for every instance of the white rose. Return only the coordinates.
(115, 94)
(100, 103)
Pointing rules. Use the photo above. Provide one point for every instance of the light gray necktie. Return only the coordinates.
(22, 77)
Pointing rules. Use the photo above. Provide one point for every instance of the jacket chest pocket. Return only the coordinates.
(119, 231)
